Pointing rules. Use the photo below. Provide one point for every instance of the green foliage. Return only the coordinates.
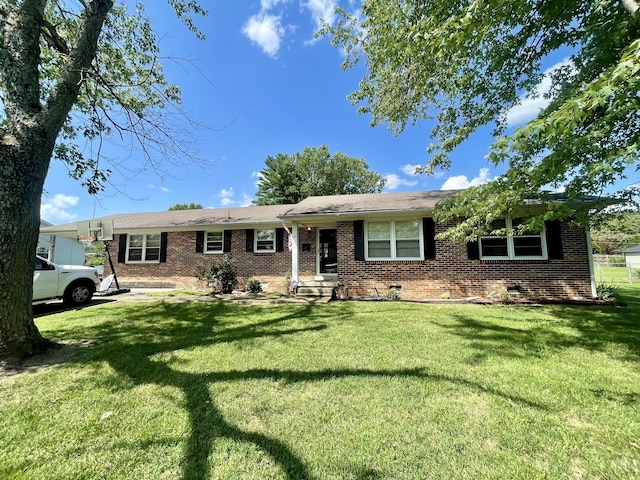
(314, 171)
(186, 206)
(466, 64)
(254, 286)
(616, 232)
(607, 291)
(222, 275)
(392, 294)
(123, 91)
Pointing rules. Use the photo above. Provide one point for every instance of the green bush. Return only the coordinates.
(607, 292)
(392, 294)
(253, 286)
(222, 276)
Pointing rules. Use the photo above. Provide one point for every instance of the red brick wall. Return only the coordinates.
(182, 260)
(452, 274)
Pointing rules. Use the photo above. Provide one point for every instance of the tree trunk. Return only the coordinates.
(22, 174)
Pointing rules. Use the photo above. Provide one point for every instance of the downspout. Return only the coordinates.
(294, 253)
(594, 290)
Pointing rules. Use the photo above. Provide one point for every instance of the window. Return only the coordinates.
(265, 241)
(214, 242)
(43, 252)
(144, 248)
(394, 240)
(527, 245)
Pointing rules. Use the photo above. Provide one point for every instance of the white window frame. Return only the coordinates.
(393, 240)
(510, 240)
(256, 240)
(206, 242)
(144, 247)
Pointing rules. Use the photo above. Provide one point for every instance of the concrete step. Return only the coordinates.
(316, 288)
(315, 291)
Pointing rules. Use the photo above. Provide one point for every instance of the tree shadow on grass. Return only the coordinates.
(552, 328)
(131, 347)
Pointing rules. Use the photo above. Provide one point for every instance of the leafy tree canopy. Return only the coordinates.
(466, 63)
(73, 75)
(619, 231)
(314, 171)
(186, 206)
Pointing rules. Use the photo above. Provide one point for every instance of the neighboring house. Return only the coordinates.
(632, 256)
(365, 243)
(59, 249)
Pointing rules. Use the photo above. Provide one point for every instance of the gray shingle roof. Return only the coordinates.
(179, 219)
(335, 205)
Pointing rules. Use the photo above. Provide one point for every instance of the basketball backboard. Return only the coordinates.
(99, 230)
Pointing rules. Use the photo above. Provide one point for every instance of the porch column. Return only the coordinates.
(294, 252)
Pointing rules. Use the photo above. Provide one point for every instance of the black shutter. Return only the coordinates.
(163, 246)
(226, 245)
(250, 234)
(279, 239)
(473, 250)
(429, 234)
(554, 239)
(358, 239)
(122, 248)
(199, 241)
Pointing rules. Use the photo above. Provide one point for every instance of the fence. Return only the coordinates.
(612, 269)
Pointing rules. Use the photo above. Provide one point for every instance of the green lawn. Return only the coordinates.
(347, 390)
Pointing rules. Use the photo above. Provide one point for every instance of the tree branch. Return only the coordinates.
(82, 54)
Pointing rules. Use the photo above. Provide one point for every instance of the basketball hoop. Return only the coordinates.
(87, 241)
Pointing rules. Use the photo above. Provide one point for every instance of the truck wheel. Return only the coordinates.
(78, 294)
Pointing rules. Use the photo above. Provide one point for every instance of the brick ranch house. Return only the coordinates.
(365, 244)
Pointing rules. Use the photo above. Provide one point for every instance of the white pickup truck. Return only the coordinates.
(74, 284)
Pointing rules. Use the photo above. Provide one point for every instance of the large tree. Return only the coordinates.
(314, 171)
(71, 72)
(466, 63)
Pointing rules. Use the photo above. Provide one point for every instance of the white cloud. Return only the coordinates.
(459, 182)
(56, 209)
(165, 189)
(394, 181)
(409, 169)
(266, 31)
(225, 202)
(322, 10)
(531, 104)
(224, 193)
(269, 4)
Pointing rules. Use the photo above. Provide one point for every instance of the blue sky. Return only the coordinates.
(264, 86)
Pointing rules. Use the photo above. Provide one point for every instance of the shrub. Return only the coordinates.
(253, 286)
(222, 276)
(392, 294)
(607, 292)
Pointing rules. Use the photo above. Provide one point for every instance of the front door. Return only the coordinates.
(328, 250)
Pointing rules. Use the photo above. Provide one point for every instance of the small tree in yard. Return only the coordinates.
(222, 276)
(71, 72)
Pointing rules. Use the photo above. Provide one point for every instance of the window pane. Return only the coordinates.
(379, 231)
(265, 234)
(152, 254)
(494, 247)
(153, 240)
(214, 241)
(263, 245)
(379, 249)
(498, 224)
(135, 254)
(408, 249)
(527, 246)
(135, 241)
(409, 229)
